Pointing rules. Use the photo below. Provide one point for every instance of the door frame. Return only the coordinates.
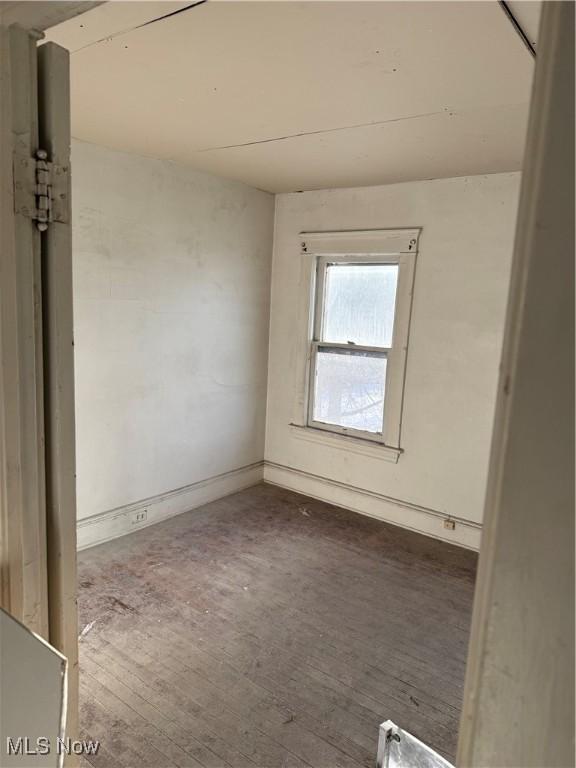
(23, 588)
(37, 435)
(519, 690)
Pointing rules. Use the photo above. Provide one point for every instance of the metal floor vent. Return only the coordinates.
(399, 749)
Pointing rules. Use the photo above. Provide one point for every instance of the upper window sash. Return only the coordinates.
(321, 271)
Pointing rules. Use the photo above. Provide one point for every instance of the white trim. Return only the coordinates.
(114, 523)
(118, 522)
(398, 355)
(58, 338)
(330, 439)
(24, 583)
(376, 242)
(318, 250)
(306, 292)
(520, 674)
(404, 514)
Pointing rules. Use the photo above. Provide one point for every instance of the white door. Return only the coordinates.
(37, 484)
(32, 699)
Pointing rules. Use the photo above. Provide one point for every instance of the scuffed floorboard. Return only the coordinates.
(268, 629)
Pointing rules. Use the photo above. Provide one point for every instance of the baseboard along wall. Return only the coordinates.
(417, 518)
(123, 520)
(132, 517)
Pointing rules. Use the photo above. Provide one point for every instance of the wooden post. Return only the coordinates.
(54, 128)
(22, 487)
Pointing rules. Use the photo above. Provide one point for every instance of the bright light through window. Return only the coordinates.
(354, 332)
(359, 301)
(350, 389)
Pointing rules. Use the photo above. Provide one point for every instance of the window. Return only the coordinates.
(355, 320)
(361, 313)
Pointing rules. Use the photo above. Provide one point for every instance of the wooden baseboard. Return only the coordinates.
(122, 520)
(402, 513)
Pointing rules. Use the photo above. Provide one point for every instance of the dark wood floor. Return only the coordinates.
(269, 629)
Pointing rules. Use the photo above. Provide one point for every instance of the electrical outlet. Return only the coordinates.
(139, 516)
(449, 524)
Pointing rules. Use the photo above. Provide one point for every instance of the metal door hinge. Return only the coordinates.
(41, 189)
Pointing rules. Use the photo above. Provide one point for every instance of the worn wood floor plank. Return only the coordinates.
(178, 732)
(269, 629)
(241, 693)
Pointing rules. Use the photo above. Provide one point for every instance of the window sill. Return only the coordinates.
(346, 443)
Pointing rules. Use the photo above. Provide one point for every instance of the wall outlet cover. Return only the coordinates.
(140, 516)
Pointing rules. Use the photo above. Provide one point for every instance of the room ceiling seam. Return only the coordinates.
(517, 27)
(327, 130)
(451, 111)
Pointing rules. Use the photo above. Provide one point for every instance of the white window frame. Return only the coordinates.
(399, 247)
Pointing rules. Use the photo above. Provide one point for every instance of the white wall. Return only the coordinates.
(461, 285)
(171, 307)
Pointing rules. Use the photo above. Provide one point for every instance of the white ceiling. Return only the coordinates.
(302, 95)
(527, 14)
